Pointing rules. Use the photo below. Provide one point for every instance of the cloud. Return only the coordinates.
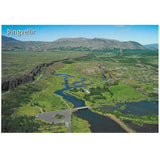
(119, 26)
(124, 30)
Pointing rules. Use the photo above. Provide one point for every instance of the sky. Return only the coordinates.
(144, 34)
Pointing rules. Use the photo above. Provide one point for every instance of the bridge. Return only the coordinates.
(78, 108)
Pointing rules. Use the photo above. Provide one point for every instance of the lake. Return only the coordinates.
(136, 108)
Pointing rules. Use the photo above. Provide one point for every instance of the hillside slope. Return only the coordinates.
(10, 44)
(151, 46)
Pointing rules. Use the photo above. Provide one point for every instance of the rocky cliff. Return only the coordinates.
(14, 82)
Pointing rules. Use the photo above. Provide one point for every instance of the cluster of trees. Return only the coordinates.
(97, 92)
(19, 124)
(11, 103)
(146, 52)
(114, 50)
(152, 94)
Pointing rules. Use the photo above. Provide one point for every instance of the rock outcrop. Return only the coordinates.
(11, 83)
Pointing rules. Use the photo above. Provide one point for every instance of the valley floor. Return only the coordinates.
(101, 79)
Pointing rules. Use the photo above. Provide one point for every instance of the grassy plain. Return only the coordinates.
(22, 62)
(23, 102)
(58, 116)
(79, 125)
(127, 75)
(27, 110)
(131, 76)
(46, 127)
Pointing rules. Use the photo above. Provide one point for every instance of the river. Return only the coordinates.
(99, 123)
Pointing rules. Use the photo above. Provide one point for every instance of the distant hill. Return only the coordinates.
(8, 39)
(68, 44)
(151, 46)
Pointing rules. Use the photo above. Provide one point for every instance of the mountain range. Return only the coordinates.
(11, 44)
(151, 46)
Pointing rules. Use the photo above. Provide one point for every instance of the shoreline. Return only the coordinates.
(124, 126)
(118, 121)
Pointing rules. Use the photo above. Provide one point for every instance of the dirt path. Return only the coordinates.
(5, 93)
(120, 123)
(114, 118)
(63, 101)
(39, 108)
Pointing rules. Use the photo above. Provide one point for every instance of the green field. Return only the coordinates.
(131, 77)
(50, 128)
(58, 116)
(27, 110)
(79, 126)
(23, 62)
(108, 95)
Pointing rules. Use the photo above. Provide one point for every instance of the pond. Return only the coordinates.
(136, 108)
